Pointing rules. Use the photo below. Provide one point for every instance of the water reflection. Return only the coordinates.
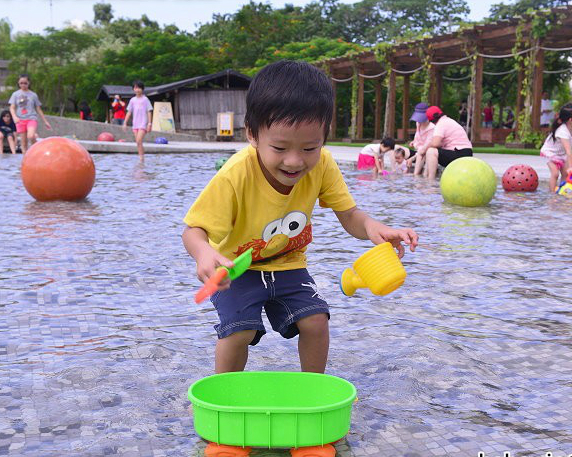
(100, 337)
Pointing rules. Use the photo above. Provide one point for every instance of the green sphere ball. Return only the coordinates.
(468, 181)
(220, 162)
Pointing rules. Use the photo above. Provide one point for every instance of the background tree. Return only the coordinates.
(510, 10)
(5, 37)
(102, 13)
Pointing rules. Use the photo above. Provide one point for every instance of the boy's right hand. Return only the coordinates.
(207, 263)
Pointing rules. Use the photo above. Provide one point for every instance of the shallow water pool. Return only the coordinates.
(100, 336)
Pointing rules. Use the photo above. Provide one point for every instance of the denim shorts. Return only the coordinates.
(286, 296)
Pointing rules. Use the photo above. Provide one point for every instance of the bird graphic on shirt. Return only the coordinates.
(280, 236)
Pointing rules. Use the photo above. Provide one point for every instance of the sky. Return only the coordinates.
(35, 15)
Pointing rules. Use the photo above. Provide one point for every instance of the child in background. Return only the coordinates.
(369, 157)
(263, 198)
(372, 155)
(557, 148)
(8, 131)
(25, 107)
(118, 107)
(400, 162)
(140, 108)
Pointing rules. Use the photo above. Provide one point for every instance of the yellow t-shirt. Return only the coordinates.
(239, 209)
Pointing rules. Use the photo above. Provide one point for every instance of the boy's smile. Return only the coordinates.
(288, 152)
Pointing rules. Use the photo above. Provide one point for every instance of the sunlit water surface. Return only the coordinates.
(100, 337)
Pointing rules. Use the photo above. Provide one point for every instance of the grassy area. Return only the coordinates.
(485, 150)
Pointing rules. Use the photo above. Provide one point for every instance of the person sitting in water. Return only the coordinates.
(449, 142)
(422, 139)
(372, 156)
(400, 162)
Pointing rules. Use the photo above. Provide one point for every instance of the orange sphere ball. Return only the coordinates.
(105, 136)
(58, 169)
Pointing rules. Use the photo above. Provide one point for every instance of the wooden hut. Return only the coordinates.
(196, 101)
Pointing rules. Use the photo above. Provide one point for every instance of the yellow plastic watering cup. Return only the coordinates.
(378, 269)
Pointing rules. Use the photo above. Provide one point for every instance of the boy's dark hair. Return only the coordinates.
(388, 142)
(24, 75)
(138, 83)
(289, 93)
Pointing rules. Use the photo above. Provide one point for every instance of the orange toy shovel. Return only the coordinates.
(241, 264)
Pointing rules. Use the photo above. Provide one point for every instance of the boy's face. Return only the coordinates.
(399, 158)
(137, 90)
(288, 152)
(383, 148)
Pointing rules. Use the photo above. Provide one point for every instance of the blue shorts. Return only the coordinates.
(286, 296)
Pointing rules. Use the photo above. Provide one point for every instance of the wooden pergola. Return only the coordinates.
(469, 47)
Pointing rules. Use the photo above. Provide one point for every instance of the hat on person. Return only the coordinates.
(432, 111)
(419, 113)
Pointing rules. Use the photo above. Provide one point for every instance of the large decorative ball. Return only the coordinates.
(105, 136)
(58, 169)
(468, 181)
(520, 178)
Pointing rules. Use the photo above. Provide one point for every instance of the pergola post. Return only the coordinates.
(378, 108)
(334, 124)
(438, 86)
(389, 127)
(537, 89)
(477, 100)
(405, 108)
(434, 86)
(519, 97)
(360, 106)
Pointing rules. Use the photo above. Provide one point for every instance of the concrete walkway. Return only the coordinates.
(498, 162)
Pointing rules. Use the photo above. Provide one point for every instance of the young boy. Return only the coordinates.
(263, 198)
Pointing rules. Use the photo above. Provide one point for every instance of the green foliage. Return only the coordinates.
(5, 37)
(314, 50)
(53, 62)
(127, 30)
(102, 13)
(520, 7)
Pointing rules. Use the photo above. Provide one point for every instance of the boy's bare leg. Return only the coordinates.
(313, 342)
(231, 353)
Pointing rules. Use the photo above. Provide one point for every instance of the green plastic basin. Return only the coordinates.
(272, 409)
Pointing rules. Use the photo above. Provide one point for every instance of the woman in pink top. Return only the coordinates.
(139, 108)
(422, 138)
(449, 142)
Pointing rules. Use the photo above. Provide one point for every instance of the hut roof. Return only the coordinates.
(228, 79)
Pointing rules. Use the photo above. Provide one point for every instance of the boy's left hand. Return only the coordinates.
(379, 233)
